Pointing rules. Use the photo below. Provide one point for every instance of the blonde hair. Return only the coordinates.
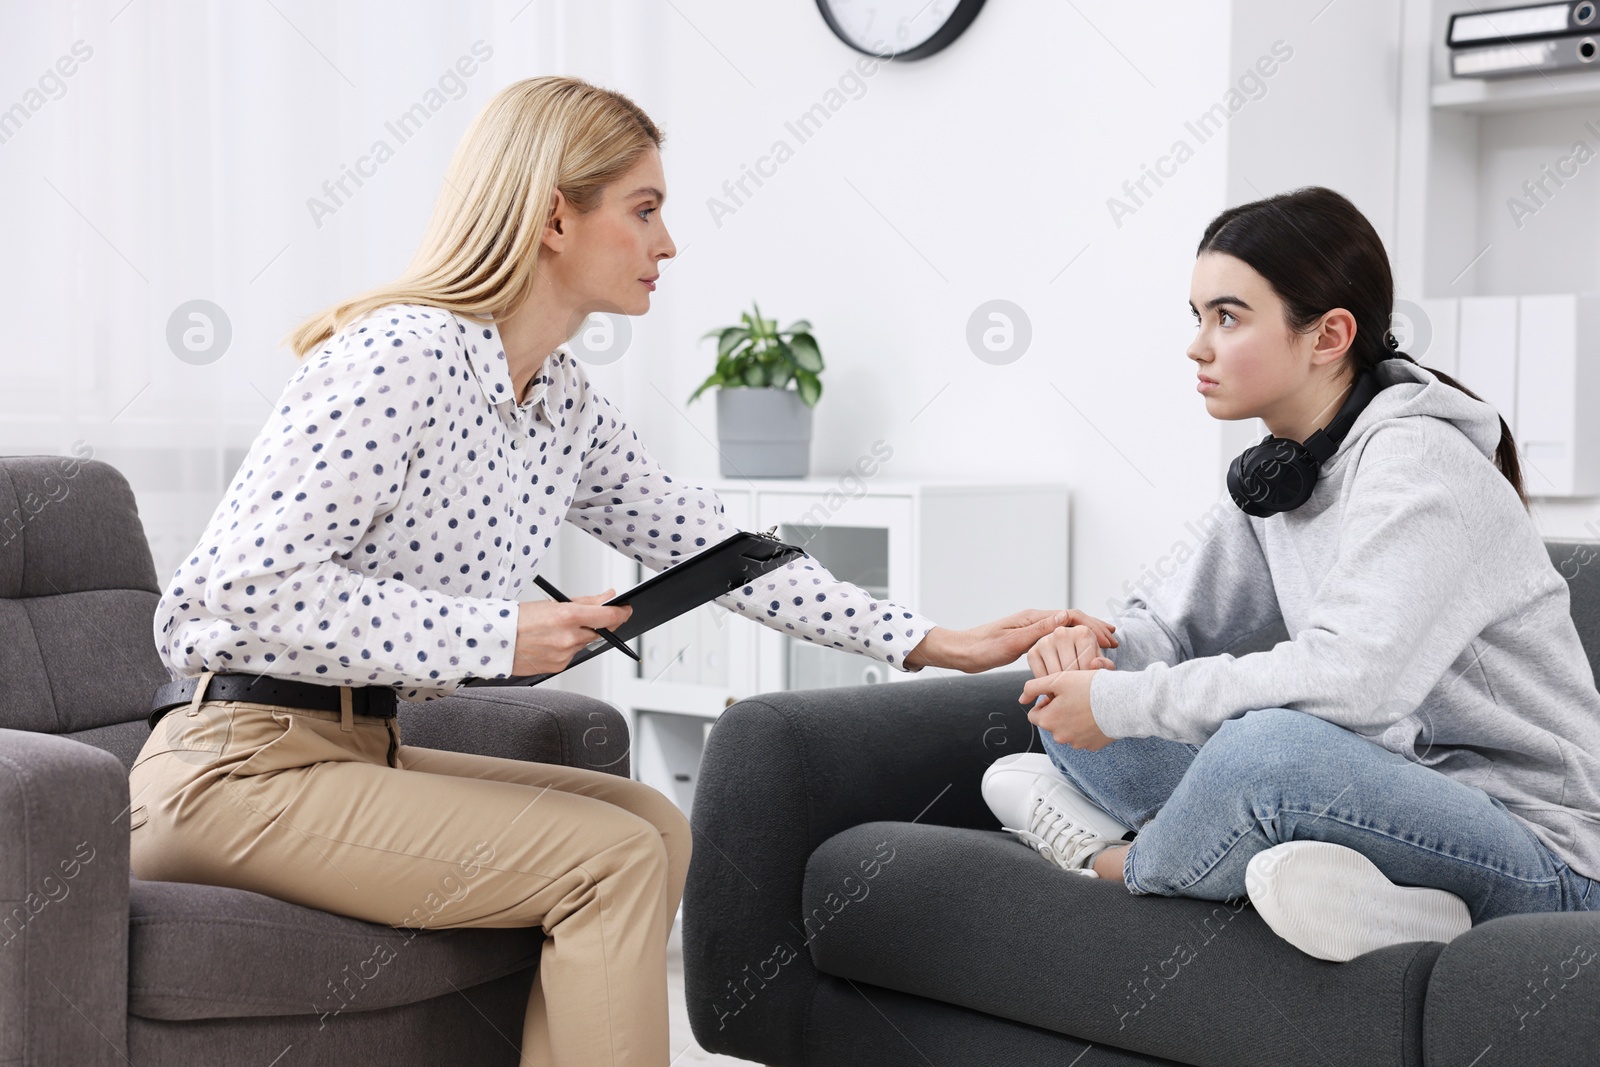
(478, 255)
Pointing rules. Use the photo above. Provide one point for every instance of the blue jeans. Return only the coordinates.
(1276, 775)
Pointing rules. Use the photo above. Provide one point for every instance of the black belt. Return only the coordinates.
(373, 700)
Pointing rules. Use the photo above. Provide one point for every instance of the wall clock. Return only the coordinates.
(898, 29)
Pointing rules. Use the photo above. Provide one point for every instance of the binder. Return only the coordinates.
(1522, 23)
(1525, 57)
(725, 566)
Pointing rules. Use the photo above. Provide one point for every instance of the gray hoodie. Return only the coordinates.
(1423, 612)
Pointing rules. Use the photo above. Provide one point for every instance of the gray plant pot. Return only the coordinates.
(763, 433)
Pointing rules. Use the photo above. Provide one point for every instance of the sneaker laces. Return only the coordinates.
(1055, 836)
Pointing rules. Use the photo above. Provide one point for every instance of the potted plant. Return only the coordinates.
(763, 425)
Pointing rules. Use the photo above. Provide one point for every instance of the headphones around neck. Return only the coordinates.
(1278, 473)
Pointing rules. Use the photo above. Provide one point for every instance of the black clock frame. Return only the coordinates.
(954, 26)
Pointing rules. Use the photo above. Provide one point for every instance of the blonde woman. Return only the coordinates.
(377, 543)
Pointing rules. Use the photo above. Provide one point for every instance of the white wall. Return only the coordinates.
(1329, 115)
(177, 162)
(180, 158)
(979, 173)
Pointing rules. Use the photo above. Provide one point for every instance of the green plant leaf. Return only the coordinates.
(730, 339)
(714, 380)
(804, 351)
(810, 387)
(757, 354)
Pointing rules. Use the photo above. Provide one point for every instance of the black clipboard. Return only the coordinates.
(725, 566)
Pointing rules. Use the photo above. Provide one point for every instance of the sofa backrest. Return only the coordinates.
(1579, 564)
(78, 595)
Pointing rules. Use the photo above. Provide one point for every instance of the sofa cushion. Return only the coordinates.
(852, 1024)
(77, 661)
(207, 952)
(69, 525)
(77, 593)
(123, 740)
(977, 919)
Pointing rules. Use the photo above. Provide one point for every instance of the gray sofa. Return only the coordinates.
(98, 967)
(851, 900)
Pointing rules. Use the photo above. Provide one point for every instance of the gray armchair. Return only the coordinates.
(98, 967)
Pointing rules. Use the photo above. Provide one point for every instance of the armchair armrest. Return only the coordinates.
(782, 773)
(63, 901)
(1526, 985)
(540, 725)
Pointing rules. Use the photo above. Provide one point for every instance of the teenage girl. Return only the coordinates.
(1424, 751)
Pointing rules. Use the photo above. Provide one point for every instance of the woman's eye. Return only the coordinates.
(1226, 318)
(645, 212)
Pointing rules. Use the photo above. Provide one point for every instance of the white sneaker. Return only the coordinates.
(1333, 903)
(1033, 800)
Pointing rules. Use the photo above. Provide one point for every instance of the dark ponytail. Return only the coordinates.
(1318, 252)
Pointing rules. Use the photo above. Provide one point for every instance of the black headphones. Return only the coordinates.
(1279, 473)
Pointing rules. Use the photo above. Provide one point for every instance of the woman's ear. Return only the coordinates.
(1335, 334)
(555, 237)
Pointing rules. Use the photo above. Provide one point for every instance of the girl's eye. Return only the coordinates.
(1223, 317)
(644, 213)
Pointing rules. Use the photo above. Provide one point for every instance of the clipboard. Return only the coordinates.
(733, 562)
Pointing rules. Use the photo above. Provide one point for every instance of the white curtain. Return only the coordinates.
(158, 152)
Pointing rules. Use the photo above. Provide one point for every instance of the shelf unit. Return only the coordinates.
(1569, 89)
(1498, 202)
(959, 553)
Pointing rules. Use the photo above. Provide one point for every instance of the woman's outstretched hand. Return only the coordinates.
(1073, 647)
(550, 633)
(995, 644)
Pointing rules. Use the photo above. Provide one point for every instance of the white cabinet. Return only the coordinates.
(1444, 329)
(1558, 373)
(959, 553)
(1486, 356)
(1495, 215)
(1536, 358)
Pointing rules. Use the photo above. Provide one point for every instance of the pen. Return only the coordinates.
(611, 639)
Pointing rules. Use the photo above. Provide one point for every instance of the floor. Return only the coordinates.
(684, 1050)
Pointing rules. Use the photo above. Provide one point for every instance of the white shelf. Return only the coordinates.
(1478, 96)
(1495, 208)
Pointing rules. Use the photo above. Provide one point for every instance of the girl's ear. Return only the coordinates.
(555, 237)
(1335, 334)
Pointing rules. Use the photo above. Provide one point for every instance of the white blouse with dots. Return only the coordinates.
(387, 518)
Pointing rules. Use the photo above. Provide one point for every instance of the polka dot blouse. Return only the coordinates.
(394, 509)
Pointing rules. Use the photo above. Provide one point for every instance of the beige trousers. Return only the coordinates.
(331, 811)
